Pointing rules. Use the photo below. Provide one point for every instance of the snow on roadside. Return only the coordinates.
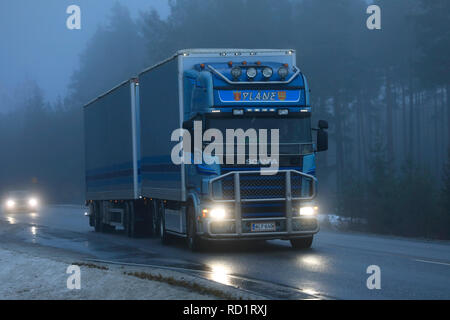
(24, 276)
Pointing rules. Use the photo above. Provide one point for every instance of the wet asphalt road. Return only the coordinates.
(334, 268)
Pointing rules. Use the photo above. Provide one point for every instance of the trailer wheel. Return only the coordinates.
(193, 241)
(98, 224)
(163, 235)
(302, 243)
(130, 224)
(156, 216)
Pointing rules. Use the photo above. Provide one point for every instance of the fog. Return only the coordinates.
(385, 93)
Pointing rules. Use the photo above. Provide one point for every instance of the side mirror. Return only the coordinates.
(322, 136)
(322, 140)
(323, 124)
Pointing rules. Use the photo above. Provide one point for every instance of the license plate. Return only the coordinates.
(263, 226)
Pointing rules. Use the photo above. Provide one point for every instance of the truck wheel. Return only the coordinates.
(193, 241)
(130, 225)
(302, 243)
(156, 215)
(165, 238)
(98, 224)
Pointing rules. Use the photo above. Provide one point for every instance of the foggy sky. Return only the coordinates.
(36, 45)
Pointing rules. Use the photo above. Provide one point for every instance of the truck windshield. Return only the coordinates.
(291, 130)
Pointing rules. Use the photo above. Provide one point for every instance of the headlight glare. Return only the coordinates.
(217, 213)
(307, 211)
(32, 202)
(10, 203)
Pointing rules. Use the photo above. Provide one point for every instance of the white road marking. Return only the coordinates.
(434, 262)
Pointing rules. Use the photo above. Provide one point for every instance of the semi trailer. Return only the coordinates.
(208, 145)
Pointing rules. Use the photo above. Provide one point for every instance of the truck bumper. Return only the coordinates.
(226, 229)
(289, 190)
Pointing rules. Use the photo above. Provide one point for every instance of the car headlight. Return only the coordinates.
(267, 72)
(283, 72)
(33, 202)
(251, 73)
(217, 213)
(10, 203)
(236, 72)
(307, 211)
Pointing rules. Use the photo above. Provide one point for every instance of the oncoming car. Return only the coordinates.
(21, 201)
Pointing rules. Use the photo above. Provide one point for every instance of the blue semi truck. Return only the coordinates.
(147, 169)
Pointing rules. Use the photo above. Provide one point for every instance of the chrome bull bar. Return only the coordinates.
(288, 197)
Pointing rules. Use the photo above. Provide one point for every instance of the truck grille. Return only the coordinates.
(256, 186)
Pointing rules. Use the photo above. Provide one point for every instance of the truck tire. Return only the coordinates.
(163, 235)
(193, 241)
(130, 224)
(302, 243)
(156, 215)
(98, 224)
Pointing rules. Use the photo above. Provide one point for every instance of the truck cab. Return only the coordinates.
(231, 199)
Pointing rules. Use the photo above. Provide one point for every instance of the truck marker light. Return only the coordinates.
(202, 66)
(258, 63)
(230, 63)
(244, 63)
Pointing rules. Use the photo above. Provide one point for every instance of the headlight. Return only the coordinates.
(267, 72)
(217, 213)
(33, 202)
(10, 203)
(283, 72)
(307, 211)
(236, 72)
(251, 73)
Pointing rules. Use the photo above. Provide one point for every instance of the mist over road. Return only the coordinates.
(335, 267)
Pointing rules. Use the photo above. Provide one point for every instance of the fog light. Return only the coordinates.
(217, 213)
(307, 211)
